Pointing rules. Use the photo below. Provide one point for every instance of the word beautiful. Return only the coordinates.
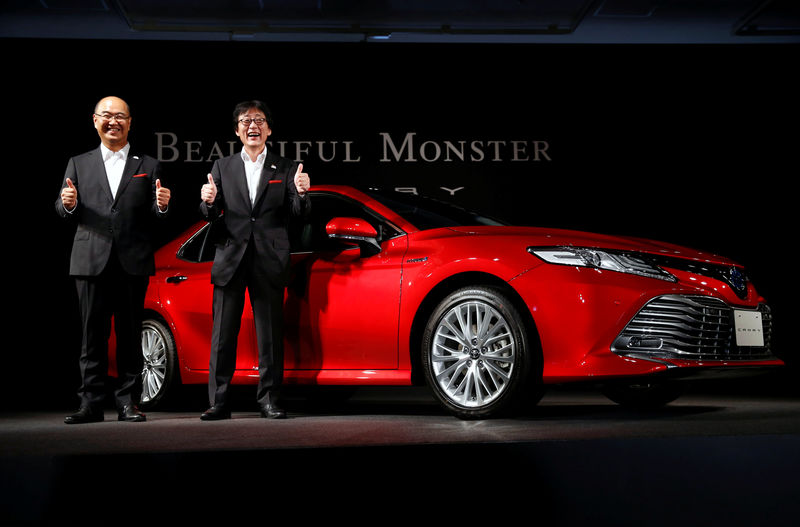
(406, 148)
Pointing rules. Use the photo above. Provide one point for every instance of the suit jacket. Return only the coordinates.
(125, 221)
(264, 223)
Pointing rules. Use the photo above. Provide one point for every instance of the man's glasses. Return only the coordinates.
(258, 120)
(115, 116)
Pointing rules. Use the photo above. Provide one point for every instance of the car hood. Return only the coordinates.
(544, 236)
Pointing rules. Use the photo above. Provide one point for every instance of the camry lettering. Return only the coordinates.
(415, 190)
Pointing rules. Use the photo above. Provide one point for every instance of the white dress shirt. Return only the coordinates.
(115, 164)
(252, 170)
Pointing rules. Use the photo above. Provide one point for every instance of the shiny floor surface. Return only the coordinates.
(392, 454)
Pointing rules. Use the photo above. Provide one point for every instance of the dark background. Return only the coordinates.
(692, 143)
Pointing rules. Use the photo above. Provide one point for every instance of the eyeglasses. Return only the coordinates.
(110, 116)
(258, 120)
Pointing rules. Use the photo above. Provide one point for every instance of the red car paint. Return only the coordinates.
(356, 318)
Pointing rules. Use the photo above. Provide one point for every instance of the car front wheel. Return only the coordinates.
(160, 362)
(474, 353)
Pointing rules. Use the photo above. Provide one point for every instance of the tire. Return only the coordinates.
(160, 363)
(475, 353)
(643, 396)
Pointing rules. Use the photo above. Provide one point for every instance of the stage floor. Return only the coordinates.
(391, 454)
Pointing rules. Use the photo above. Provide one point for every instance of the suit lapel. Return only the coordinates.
(268, 173)
(239, 179)
(99, 169)
(132, 165)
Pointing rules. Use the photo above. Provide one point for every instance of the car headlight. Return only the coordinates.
(619, 261)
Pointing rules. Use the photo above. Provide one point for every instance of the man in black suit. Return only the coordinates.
(113, 196)
(254, 193)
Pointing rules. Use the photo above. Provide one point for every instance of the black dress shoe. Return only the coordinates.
(130, 412)
(272, 411)
(215, 413)
(86, 414)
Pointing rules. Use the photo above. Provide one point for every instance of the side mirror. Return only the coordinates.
(355, 231)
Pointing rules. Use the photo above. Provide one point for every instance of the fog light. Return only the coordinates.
(648, 342)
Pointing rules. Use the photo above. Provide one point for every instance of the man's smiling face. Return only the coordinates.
(253, 135)
(112, 121)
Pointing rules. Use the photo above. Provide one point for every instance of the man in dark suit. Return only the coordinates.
(254, 193)
(113, 196)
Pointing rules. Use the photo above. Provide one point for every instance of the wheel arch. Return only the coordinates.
(451, 284)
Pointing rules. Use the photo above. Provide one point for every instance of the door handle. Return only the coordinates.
(176, 279)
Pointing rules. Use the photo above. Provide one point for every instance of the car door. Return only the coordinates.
(188, 292)
(342, 307)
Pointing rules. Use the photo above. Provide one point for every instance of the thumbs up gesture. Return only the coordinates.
(209, 191)
(162, 196)
(301, 180)
(69, 195)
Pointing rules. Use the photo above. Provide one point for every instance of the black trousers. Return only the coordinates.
(113, 293)
(228, 304)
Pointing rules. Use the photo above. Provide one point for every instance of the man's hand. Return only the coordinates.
(69, 195)
(162, 196)
(301, 180)
(209, 191)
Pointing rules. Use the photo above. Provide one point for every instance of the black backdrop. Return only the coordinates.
(690, 144)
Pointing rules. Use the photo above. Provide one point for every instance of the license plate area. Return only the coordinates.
(749, 328)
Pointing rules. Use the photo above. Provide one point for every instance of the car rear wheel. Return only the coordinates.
(475, 353)
(160, 362)
(643, 395)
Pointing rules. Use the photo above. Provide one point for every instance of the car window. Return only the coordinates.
(428, 213)
(311, 236)
(304, 236)
(201, 246)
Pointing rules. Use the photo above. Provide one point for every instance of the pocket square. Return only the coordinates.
(140, 175)
(271, 181)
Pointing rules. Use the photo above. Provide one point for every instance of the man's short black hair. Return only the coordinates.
(244, 106)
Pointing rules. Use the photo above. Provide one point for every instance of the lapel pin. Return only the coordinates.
(273, 167)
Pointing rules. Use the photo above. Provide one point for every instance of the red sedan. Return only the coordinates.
(392, 289)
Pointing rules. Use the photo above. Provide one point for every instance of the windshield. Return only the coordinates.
(429, 213)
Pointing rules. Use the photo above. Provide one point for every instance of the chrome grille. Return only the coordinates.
(689, 327)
